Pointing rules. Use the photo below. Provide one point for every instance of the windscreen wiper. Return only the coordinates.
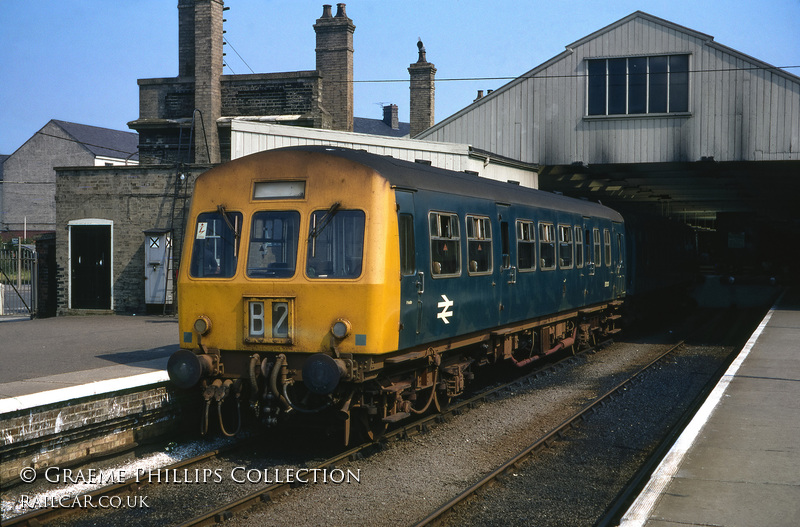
(233, 226)
(318, 226)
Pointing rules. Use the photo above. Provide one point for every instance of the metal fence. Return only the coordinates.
(18, 278)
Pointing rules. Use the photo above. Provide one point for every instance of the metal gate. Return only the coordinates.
(18, 279)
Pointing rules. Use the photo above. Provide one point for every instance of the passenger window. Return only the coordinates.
(445, 244)
(578, 247)
(607, 246)
(273, 244)
(598, 257)
(620, 247)
(547, 246)
(407, 250)
(214, 254)
(335, 244)
(526, 246)
(565, 248)
(479, 245)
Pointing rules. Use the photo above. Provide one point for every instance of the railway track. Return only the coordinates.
(543, 442)
(135, 485)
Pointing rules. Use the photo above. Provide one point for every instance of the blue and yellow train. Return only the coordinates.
(321, 280)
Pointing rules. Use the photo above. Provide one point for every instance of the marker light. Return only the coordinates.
(341, 328)
(202, 325)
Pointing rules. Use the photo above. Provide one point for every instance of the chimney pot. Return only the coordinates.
(390, 116)
(340, 11)
(326, 11)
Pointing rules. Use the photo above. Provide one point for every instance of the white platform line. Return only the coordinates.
(640, 511)
(24, 402)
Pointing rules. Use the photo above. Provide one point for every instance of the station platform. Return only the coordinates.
(738, 461)
(59, 359)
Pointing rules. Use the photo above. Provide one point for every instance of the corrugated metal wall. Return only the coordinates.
(250, 137)
(738, 110)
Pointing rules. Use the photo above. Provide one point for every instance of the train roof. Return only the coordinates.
(417, 176)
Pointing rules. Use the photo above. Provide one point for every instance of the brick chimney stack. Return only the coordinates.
(390, 116)
(423, 75)
(185, 38)
(207, 74)
(335, 63)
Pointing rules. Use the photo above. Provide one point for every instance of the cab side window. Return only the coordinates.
(407, 249)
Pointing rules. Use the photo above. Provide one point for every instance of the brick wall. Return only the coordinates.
(62, 434)
(135, 199)
(295, 93)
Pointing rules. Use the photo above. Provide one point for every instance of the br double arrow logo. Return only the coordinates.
(445, 312)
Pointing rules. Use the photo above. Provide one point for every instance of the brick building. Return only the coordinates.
(29, 176)
(110, 221)
(187, 118)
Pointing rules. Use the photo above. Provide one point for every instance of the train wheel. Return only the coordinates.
(372, 427)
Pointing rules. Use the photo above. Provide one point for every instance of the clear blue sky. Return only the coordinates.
(78, 60)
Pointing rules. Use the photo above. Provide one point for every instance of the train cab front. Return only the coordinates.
(283, 292)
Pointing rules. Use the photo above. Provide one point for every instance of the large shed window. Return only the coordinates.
(565, 249)
(274, 238)
(547, 245)
(638, 85)
(445, 244)
(216, 244)
(479, 245)
(526, 245)
(335, 244)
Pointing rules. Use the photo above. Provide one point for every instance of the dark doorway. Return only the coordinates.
(91, 266)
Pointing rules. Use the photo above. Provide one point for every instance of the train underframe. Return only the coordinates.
(370, 392)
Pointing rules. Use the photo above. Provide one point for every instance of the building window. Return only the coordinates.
(479, 245)
(638, 85)
(445, 244)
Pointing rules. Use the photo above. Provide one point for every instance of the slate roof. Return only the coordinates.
(103, 141)
(2, 160)
(362, 125)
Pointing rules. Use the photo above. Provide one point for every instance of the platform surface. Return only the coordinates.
(52, 354)
(738, 462)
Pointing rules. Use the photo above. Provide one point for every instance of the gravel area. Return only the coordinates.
(405, 482)
(574, 482)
